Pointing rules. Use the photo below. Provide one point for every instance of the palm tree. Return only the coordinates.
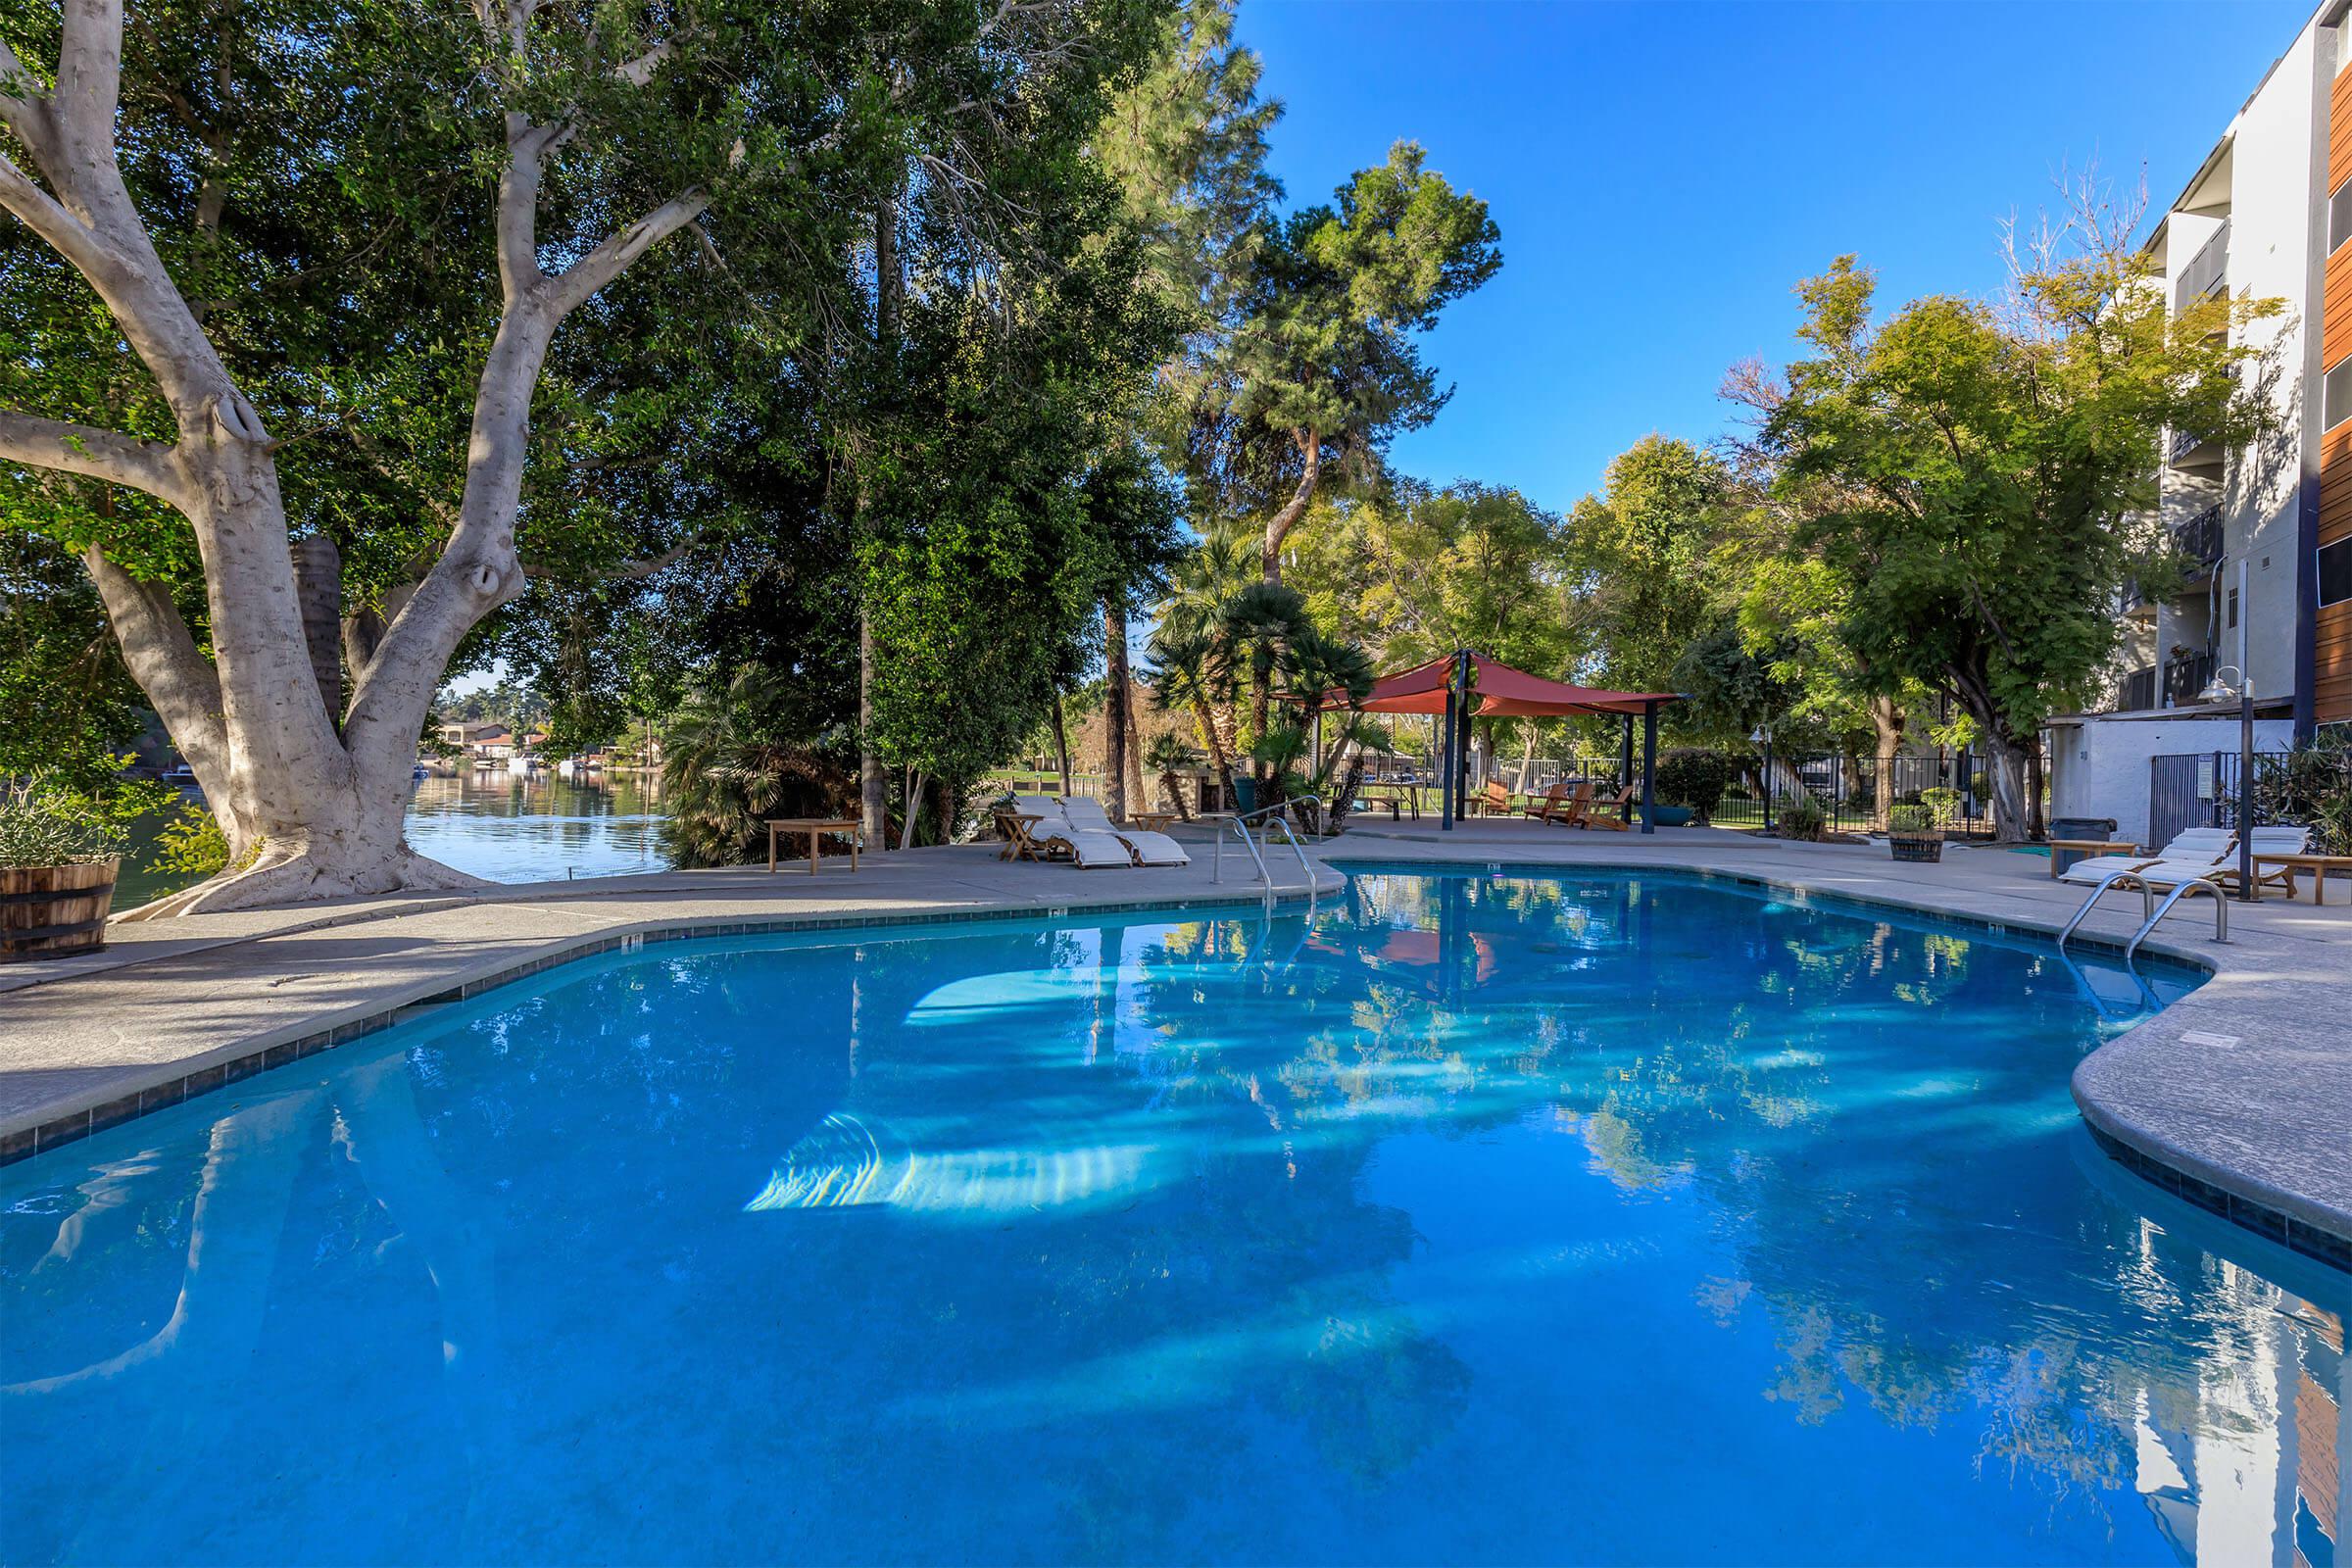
(1259, 627)
(1169, 757)
(726, 770)
(1194, 675)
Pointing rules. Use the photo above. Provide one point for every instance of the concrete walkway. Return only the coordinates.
(180, 1007)
(2239, 1097)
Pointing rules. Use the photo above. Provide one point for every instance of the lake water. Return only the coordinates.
(499, 826)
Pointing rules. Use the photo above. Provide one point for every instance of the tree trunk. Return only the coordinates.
(1279, 527)
(1350, 780)
(1115, 739)
(319, 581)
(1175, 791)
(914, 809)
(2004, 756)
(1887, 729)
(1218, 757)
(1526, 759)
(873, 785)
(1062, 744)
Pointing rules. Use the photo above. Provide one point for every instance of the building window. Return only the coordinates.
(2230, 617)
(2336, 395)
(2335, 573)
(2339, 216)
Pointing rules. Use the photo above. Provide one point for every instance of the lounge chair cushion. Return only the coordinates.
(2172, 873)
(2206, 847)
(1151, 848)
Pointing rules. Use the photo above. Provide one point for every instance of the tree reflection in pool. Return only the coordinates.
(1473, 1217)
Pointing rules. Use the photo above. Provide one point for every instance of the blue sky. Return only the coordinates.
(1664, 174)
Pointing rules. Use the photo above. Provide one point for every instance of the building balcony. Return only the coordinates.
(2207, 272)
(2185, 676)
(2194, 450)
(2199, 541)
(2136, 690)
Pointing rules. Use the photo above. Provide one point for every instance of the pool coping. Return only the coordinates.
(174, 1083)
(2166, 1158)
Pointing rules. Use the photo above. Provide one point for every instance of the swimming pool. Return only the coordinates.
(1490, 1217)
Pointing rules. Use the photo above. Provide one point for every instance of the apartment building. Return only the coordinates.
(2267, 529)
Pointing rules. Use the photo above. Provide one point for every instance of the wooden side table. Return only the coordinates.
(815, 827)
(2085, 846)
(2319, 865)
(1151, 822)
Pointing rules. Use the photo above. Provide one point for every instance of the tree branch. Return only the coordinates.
(91, 452)
(89, 75)
(162, 655)
(579, 283)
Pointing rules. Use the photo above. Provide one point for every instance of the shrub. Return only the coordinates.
(43, 823)
(1912, 822)
(1801, 817)
(1695, 778)
(1943, 802)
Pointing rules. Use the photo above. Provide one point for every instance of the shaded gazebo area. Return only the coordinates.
(1460, 686)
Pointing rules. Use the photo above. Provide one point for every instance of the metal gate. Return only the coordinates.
(2181, 789)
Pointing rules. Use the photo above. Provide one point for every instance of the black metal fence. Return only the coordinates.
(2200, 789)
(1848, 789)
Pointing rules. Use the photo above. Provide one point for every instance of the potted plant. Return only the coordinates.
(1913, 834)
(58, 860)
(1802, 817)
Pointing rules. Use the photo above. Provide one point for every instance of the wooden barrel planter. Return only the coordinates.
(49, 911)
(1915, 846)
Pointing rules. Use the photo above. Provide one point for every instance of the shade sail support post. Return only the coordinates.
(1650, 768)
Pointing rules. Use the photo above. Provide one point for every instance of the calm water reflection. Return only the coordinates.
(539, 829)
(1471, 1219)
(496, 825)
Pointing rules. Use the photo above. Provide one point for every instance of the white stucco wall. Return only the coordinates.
(2271, 214)
(2099, 767)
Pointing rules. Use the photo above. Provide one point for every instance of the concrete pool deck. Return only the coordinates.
(2239, 1097)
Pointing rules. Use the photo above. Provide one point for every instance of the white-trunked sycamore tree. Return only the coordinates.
(586, 137)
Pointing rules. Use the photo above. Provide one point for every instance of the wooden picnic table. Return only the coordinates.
(2319, 865)
(815, 827)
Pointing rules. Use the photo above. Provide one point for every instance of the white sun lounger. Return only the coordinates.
(2204, 846)
(1151, 848)
(1092, 848)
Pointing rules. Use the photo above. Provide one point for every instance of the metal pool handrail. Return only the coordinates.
(1240, 822)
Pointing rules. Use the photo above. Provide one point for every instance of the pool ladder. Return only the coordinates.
(2150, 910)
(1239, 823)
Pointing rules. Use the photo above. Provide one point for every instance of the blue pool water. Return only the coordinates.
(1473, 1218)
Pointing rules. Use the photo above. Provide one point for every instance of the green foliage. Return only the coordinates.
(67, 706)
(1944, 804)
(734, 758)
(1978, 478)
(1801, 816)
(2311, 786)
(44, 822)
(1912, 821)
(190, 845)
(1322, 358)
(1645, 548)
(1693, 777)
(1411, 572)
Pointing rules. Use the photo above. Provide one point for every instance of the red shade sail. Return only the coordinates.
(1502, 692)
